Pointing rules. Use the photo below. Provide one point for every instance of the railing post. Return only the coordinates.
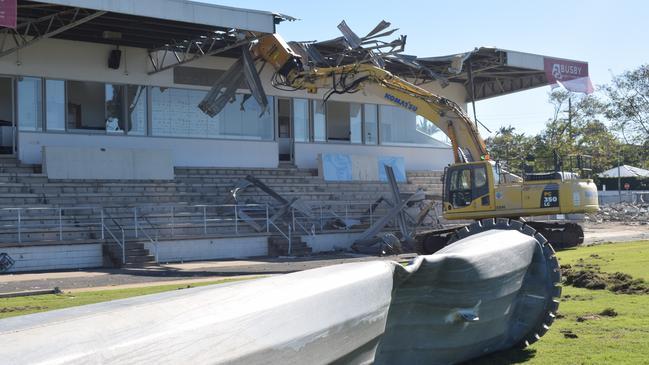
(290, 235)
(236, 220)
(123, 248)
(102, 223)
(135, 222)
(371, 215)
(155, 245)
(205, 220)
(60, 226)
(346, 215)
(172, 221)
(321, 218)
(267, 218)
(20, 240)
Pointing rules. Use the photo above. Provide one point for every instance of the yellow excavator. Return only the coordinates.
(475, 187)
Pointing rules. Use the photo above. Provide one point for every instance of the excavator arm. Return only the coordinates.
(467, 144)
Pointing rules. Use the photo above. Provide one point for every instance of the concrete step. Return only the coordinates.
(244, 171)
(279, 246)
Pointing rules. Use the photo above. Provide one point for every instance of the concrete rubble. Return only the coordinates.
(629, 213)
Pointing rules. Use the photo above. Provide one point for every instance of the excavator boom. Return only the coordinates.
(467, 144)
(474, 187)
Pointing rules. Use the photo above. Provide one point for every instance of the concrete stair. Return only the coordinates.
(25, 186)
(278, 246)
(135, 252)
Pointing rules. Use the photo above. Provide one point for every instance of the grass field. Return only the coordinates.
(600, 339)
(580, 335)
(10, 307)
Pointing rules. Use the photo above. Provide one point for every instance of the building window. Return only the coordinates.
(136, 101)
(115, 116)
(284, 118)
(6, 102)
(175, 112)
(355, 123)
(344, 122)
(319, 121)
(402, 127)
(94, 106)
(301, 119)
(371, 123)
(30, 104)
(55, 105)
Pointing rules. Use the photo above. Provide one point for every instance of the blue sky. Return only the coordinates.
(609, 35)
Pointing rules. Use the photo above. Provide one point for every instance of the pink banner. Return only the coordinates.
(8, 13)
(570, 74)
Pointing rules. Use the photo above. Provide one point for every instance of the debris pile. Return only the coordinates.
(594, 279)
(621, 212)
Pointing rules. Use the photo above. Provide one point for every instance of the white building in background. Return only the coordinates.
(57, 89)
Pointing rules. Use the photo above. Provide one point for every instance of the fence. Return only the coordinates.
(39, 224)
(153, 223)
(613, 197)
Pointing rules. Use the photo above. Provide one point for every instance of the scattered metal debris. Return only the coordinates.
(630, 213)
(6, 262)
(372, 242)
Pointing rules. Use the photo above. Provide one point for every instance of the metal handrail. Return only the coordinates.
(59, 217)
(287, 236)
(153, 242)
(149, 220)
(122, 243)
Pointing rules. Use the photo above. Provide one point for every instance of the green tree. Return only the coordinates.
(510, 147)
(628, 104)
(577, 129)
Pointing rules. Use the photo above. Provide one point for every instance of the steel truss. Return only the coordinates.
(32, 31)
(177, 53)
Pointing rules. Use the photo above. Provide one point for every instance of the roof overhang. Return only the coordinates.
(174, 31)
(494, 71)
(182, 11)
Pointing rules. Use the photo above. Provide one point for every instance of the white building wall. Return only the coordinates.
(416, 158)
(61, 59)
(210, 249)
(54, 257)
(185, 152)
(331, 241)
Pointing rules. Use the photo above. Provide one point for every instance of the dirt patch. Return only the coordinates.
(588, 276)
(588, 317)
(608, 312)
(20, 309)
(576, 298)
(569, 334)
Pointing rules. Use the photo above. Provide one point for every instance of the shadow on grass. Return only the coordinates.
(513, 356)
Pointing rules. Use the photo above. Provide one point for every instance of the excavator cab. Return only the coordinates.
(468, 187)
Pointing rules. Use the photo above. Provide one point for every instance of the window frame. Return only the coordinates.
(16, 102)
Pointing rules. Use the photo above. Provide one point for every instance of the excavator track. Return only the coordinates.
(560, 235)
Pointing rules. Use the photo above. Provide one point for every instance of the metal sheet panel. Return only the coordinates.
(525, 60)
(182, 11)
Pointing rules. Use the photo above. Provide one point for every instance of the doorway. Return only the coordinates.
(285, 130)
(7, 120)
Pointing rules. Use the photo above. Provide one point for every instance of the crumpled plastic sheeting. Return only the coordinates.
(469, 299)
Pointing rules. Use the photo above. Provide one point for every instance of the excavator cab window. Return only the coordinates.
(460, 187)
(466, 183)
